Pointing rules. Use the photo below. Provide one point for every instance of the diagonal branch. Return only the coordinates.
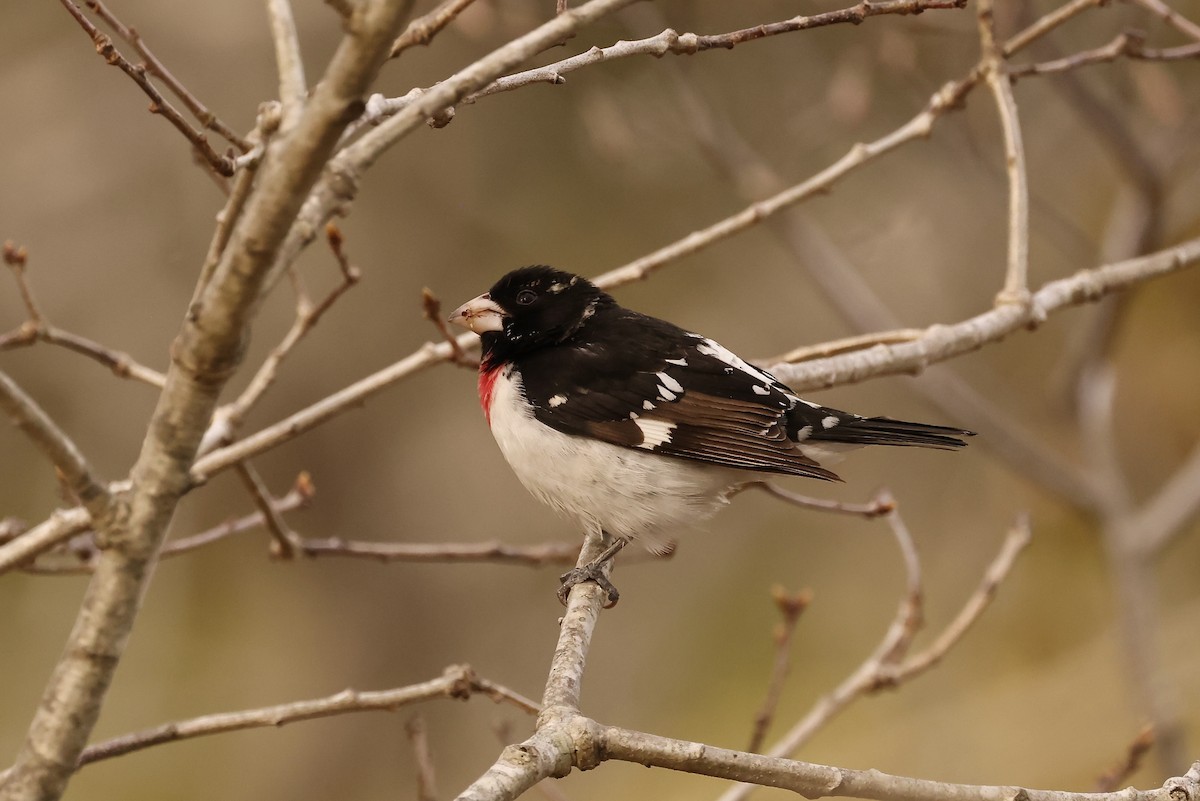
(222, 165)
(62, 452)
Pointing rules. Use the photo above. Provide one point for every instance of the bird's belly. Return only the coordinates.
(626, 492)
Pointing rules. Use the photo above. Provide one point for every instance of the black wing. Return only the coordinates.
(643, 383)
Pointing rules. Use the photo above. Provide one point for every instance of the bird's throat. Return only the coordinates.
(487, 385)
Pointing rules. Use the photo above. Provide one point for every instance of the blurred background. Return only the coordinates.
(588, 176)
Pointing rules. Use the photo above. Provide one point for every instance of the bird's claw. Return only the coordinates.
(593, 572)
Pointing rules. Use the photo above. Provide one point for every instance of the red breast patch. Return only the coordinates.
(487, 385)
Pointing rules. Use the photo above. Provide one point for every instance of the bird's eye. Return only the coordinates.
(525, 297)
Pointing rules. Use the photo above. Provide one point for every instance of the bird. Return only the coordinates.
(636, 428)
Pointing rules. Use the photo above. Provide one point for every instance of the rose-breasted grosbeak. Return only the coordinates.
(633, 426)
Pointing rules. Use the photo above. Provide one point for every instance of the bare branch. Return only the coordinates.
(283, 539)
(881, 504)
(293, 88)
(426, 783)
(547, 553)
(1119, 773)
(1015, 541)
(204, 356)
(1016, 280)
(62, 452)
(1044, 24)
(887, 664)
(431, 307)
(38, 329)
(456, 682)
(1129, 44)
(60, 527)
(222, 165)
(941, 342)
(421, 30)
(790, 606)
(820, 781)
(155, 67)
(846, 345)
(1171, 17)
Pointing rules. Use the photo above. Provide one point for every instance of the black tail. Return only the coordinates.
(886, 431)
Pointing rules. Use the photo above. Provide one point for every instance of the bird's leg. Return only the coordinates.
(594, 571)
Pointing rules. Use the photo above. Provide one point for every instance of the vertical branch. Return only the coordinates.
(1016, 279)
(561, 696)
(292, 86)
(204, 356)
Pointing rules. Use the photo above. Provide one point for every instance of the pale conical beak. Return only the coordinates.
(479, 315)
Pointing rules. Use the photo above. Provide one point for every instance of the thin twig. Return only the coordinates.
(58, 528)
(79, 557)
(1015, 541)
(1119, 773)
(1016, 278)
(846, 345)
(790, 606)
(1171, 17)
(155, 67)
(426, 781)
(1046, 23)
(52, 441)
(456, 682)
(432, 309)
(283, 539)
(222, 165)
(37, 328)
(1129, 44)
(881, 504)
(421, 30)
(887, 665)
(228, 418)
(554, 552)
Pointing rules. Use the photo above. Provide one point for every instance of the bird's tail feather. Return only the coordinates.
(886, 431)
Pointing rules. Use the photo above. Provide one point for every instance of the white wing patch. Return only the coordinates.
(670, 383)
(654, 432)
(829, 422)
(735, 362)
(760, 390)
(681, 362)
(557, 400)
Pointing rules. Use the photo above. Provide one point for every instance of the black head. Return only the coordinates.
(529, 308)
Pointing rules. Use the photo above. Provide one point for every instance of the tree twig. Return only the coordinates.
(52, 441)
(790, 606)
(1119, 773)
(421, 30)
(457, 682)
(1016, 278)
(222, 165)
(889, 663)
(423, 757)
(155, 67)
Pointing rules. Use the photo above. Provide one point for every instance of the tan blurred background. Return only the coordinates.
(587, 176)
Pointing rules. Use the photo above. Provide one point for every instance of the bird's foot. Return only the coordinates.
(594, 572)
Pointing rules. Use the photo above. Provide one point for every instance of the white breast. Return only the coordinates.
(627, 492)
